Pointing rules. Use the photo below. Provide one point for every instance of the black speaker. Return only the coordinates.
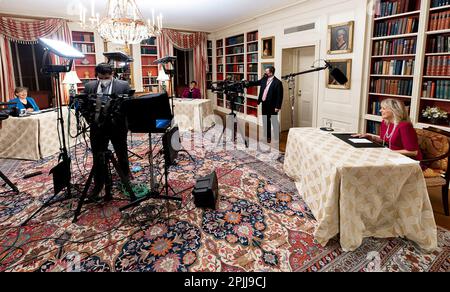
(171, 145)
(206, 192)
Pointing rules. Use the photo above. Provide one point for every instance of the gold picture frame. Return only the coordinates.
(340, 38)
(266, 65)
(345, 65)
(268, 48)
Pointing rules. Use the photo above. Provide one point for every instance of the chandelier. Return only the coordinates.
(124, 23)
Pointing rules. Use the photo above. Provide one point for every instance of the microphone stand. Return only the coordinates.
(291, 81)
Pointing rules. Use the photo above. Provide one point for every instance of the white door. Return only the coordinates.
(297, 60)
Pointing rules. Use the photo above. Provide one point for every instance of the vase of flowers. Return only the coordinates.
(435, 115)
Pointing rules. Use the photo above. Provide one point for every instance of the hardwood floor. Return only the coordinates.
(435, 193)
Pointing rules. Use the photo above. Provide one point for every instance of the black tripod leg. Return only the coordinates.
(125, 180)
(83, 196)
(9, 183)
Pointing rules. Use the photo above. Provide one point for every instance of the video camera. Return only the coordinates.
(6, 113)
(101, 110)
(230, 87)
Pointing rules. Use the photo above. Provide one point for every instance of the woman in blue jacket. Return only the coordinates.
(22, 101)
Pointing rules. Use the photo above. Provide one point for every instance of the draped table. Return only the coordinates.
(193, 114)
(33, 137)
(359, 193)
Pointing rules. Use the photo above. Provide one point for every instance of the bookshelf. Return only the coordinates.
(435, 82)
(407, 44)
(209, 74)
(149, 54)
(238, 59)
(220, 70)
(85, 42)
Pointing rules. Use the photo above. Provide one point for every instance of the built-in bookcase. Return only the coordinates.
(237, 59)
(149, 54)
(409, 58)
(209, 74)
(85, 68)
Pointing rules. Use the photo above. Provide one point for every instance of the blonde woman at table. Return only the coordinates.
(397, 132)
(23, 101)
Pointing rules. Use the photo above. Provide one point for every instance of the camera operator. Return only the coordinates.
(271, 97)
(115, 131)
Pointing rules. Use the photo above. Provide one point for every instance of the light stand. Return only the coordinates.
(61, 173)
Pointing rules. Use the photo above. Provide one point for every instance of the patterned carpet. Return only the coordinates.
(261, 224)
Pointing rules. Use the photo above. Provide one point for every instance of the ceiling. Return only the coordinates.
(195, 15)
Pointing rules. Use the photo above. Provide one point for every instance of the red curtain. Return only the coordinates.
(196, 41)
(25, 31)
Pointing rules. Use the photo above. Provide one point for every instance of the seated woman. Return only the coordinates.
(192, 92)
(397, 132)
(22, 101)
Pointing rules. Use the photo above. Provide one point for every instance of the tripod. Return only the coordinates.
(9, 183)
(232, 123)
(154, 194)
(108, 159)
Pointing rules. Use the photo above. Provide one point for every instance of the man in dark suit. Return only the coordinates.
(115, 131)
(271, 97)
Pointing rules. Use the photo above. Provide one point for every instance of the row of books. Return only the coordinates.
(253, 68)
(209, 45)
(439, 21)
(219, 43)
(235, 50)
(373, 127)
(394, 47)
(235, 59)
(219, 52)
(252, 48)
(220, 69)
(85, 48)
(436, 89)
(439, 3)
(219, 61)
(394, 67)
(388, 8)
(87, 37)
(439, 44)
(253, 58)
(235, 40)
(397, 26)
(235, 68)
(393, 87)
(375, 108)
(149, 42)
(149, 50)
(252, 77)
(253, 36)
(438, 66)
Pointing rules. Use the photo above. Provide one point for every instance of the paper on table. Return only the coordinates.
(360, 141)
(404, 160)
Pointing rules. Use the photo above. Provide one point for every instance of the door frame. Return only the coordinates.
(316, 45)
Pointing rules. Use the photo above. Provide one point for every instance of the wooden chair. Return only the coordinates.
(435, 146)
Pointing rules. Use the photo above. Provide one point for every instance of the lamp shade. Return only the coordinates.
(162, 76)
(71, 78)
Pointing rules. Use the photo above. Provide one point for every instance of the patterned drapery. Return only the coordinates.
(28, 32)
(196, 41)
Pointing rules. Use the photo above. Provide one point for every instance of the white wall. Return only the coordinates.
(340, 106)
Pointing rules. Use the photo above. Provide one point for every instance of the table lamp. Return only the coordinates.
(163, 77)
(72, 79)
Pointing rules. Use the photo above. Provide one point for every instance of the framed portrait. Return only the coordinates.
(340, 38)
(345, 66)
(268, 48)
(264, 66)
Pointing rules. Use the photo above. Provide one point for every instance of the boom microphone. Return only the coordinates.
(337, 74)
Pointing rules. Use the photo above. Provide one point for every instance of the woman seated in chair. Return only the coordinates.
(192, 92)
(397, 132)
(23, 101)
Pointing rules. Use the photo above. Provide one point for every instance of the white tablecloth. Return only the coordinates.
(33, 137)
(359, 192)
(193, 115)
